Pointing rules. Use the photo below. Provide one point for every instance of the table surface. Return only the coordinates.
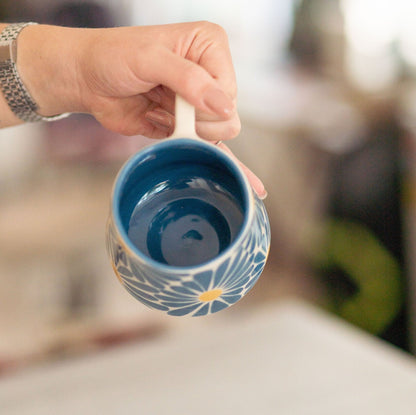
(289, 358)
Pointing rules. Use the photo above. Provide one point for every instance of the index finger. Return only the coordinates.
(255, 182)
(217, 61)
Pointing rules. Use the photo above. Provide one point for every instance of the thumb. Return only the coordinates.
(193, 83)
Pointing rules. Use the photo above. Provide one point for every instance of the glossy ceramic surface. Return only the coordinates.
(234, 262)
(186, 234)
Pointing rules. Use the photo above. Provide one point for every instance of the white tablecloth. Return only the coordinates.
(286, 359)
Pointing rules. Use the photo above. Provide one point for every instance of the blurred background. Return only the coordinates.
(327, 98)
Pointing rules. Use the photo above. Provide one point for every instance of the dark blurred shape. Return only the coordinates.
(366, 192)
(82, 14)
(3, 10)
(305, 47)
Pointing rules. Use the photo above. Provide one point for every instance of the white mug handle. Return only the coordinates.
(184, 119)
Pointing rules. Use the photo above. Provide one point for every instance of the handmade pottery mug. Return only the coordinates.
(186, 233)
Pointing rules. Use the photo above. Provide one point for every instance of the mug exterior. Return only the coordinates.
(199, 289)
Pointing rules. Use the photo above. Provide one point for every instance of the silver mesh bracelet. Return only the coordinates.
(14, 91)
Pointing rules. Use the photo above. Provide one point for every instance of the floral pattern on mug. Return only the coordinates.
(188, 292)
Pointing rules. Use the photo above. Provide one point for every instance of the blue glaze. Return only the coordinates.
(186, 235)
(170, 171)
(187, 231)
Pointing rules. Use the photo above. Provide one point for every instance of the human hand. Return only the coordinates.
(127, 77)
(134, 92)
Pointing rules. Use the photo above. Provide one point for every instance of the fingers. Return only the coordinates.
(218, 61)
(193, 83)
(255, 182)
(162, 120)
(209, 130)
(190, 59)
(194, 60)
(219, 130)
(208, 126)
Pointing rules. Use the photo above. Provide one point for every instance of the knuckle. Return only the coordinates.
(214, 28)
(229, 130)
(234, 129)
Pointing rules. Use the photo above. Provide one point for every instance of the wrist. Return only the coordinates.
(47, 64)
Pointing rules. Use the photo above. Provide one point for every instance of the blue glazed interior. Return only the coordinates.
(180, 202)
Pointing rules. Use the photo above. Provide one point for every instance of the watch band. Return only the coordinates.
(15, 92)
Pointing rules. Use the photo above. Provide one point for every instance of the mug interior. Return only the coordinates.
(181, 202)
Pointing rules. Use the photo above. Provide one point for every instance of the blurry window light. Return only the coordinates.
(371, 26)
(379, 32)
(407, 34)
(371, 73)
(258, 31)
(372, 31)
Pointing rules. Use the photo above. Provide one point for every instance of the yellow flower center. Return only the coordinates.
(210, 295)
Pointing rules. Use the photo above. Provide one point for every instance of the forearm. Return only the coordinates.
(47, 65)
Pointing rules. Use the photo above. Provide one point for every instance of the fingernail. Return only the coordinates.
(217, 101)
(161, 118)
(262, 195)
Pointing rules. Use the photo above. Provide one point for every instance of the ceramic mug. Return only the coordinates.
(186, 233)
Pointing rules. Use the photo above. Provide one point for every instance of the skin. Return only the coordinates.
(127, 78)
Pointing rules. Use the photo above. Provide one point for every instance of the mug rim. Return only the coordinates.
(248, 197)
